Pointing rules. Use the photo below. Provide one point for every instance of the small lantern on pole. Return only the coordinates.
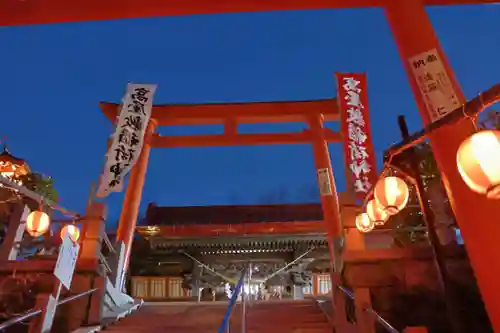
(37, 223)
(73, 230)
(392, 194)
(376, 213)
(364, 223)
(478, 162)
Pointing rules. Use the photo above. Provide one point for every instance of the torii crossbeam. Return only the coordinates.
(23, 12)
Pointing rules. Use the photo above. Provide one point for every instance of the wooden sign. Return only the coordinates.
(66, 261)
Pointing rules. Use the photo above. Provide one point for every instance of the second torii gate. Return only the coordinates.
(414, 36)
(313, 113)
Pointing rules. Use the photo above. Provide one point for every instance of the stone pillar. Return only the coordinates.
(297, 292)
(83, 280)
(355, 241)
(196, 281)
(91, 245)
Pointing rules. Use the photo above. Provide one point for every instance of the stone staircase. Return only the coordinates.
(171, 317)
(286, 316)
(262, 317)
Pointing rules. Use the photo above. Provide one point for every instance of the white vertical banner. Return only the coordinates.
(352, 98)
(432, 79)
(128, 139)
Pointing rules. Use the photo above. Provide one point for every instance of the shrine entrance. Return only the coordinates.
(416, 40)
(209, 247)
(312, 113)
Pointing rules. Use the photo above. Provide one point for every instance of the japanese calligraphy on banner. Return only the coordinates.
(434, 83)
(352, 98)
(128, 138)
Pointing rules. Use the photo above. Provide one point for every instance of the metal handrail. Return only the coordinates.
(104, 262)
(109, 245)
(34, 313)
(237, 290)
(323, 310)
(370, 310)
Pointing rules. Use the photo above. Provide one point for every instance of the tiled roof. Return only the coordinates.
(232, 214)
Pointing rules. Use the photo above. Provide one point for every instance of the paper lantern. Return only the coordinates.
(391, 194)
(478, 162)
(376, 213)
(363, 223)
(37, 223)
(74, 232)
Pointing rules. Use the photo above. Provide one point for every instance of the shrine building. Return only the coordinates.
(182, 250)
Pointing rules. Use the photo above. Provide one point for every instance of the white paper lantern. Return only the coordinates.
(37, 223)
(391, 194)
(376, 213)
(478, 162)
(363, 223)
(74, 232)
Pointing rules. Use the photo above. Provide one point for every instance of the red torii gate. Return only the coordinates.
(23, 12)
(414, 35)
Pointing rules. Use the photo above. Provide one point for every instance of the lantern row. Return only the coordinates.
(38, 223)
(478, 163)
(390, 197)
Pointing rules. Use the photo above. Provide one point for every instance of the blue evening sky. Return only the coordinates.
(53, 76)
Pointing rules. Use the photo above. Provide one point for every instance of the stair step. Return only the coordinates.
(294, 330)
(308, 319)
(142, 328)
(215, 322)
(297, 324)
(282, 313)
(151, 329)
(301, 311)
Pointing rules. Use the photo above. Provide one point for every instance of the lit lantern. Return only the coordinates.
(376, 213)
(391, 194)
(37, 223)
(364, 223)
(12, 167)
(478, 161)
(74, 232)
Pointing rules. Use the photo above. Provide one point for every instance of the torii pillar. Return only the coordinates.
(132, 202)
(475, 213)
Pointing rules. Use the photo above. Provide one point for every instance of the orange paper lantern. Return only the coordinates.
(37, 223)
(74, 232)
(363, 223)
(478, 162)
(376, 213)
(391, 194)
